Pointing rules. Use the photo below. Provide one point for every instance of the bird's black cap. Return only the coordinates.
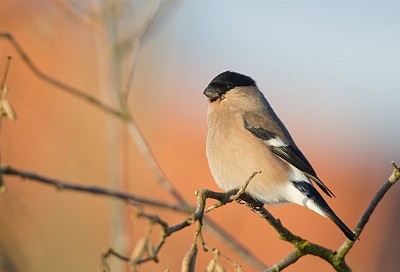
(234, 79)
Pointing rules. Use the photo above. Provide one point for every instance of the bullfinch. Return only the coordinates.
(245, 135)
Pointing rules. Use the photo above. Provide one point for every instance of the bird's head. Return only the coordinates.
(225, 82)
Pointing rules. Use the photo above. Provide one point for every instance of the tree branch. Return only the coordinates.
(347, 245)
(304, 247)
(288, 260)
(62, 185)
(151, 161)
(125, 116)
(55, 82)
(196, 213)
(196, 216)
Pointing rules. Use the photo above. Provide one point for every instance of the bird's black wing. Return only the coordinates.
(283, 149)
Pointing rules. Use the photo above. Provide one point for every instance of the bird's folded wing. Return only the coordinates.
(282, 148)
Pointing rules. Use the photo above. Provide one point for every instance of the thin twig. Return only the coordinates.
(55, 82)
(136, 44)
(237, 193)
(347, 245)
(288, 260)
(147, 154)
(106, 255)
(231, 241)
(197, 216)
(110, 251)
(62, 185)
(4, 78)
(167, 230)
(207, 248)
(132, 127)
(210, 225)
(6, 109)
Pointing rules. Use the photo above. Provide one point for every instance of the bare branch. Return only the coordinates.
(105, 267)
(4, 78)
(229, 240)
(207, 248)
(136, 44)
(62, 185)
(288, 260)
(167, 230)
(125, 116)
(347, 245)
(55, 82)
(237, 193)
(304, 247)
(6, 109)
(197, 216)
(211, 226)
(148, 155)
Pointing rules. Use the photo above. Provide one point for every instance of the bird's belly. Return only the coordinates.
(234, 160)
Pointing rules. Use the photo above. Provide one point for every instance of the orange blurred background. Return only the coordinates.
(331, 77)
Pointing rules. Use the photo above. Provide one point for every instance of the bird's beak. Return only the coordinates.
(212, 93)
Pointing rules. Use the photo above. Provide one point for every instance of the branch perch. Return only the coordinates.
(197, 215)
(302, 246)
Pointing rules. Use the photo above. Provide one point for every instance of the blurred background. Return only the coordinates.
(330, 69)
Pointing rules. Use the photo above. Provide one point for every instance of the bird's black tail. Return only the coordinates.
(314, 195)
(318, 199)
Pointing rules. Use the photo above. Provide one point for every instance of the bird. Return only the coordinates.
(246, 135)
